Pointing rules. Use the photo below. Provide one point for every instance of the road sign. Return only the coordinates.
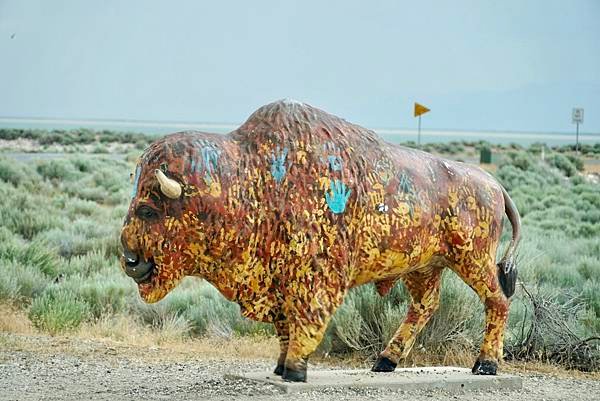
(577, 118)
(420, 109)
(577, 115)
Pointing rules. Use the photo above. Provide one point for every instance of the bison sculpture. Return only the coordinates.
(291, 210)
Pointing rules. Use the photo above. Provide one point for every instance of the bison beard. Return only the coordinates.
(288, 212)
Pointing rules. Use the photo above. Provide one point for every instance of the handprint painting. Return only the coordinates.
(337, 196)
(293, 209)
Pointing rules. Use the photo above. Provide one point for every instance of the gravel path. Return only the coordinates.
(46, 368)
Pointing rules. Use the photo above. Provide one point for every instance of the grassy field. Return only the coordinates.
(60, 220)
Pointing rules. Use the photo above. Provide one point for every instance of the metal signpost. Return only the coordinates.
(420, 110)
(577, 118)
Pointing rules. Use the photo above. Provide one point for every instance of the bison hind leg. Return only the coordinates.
(488, 287)
(424, 288)
(485, 367)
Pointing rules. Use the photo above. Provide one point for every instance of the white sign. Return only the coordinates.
(577, 115)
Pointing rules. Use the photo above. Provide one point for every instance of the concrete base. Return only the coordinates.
(448, 379)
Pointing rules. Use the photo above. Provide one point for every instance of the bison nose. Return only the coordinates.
(136, 268)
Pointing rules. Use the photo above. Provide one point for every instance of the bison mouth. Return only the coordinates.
(141, 271)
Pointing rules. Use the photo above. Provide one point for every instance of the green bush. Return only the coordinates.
(204, 308)
(366, 321)
(13, 173)
(35, 254)
(61, 170)
(563, 163)
(57, 311)
(105, 292)
(21, 283)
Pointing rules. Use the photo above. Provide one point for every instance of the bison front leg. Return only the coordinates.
(283, 335)
(305, 336)
(309, 309)
(424, 288)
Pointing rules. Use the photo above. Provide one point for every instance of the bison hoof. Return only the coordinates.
(291, 375)
(279, 370)
(485, 367)
(383, 364)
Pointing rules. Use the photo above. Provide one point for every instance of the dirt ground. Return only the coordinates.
(36, 367)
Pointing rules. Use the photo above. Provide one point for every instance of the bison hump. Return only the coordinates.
(287, 121)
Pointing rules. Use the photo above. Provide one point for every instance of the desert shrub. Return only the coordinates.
(551, 331)
(104, 292)
(141, 144)
(89, 264)
(9, 287)
(20, 282)
(563, 163)
(29, 223)
(520, 160)
(132, 157)
(203, 307)
(67, 242)
(60, 169)
(84, 164)
(16, 173)
(589, 268)
(100, 149)
(591, 294)
(35, 254)
(576, 161)
(84, 236)
(113, 179)
(90, 193)
(56, 311)
(366, 321)
(80, 207)
(119, 212)
(459, 320)
(74, 136)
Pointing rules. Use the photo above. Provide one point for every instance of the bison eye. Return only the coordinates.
(145, 212)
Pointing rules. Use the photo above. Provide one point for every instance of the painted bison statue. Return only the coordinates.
(294, 208)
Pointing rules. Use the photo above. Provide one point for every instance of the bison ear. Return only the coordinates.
(169, 187)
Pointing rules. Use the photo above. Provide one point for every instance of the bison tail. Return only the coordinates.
(507, 267)
(507, 276)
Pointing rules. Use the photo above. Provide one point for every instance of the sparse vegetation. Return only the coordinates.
(81, 136)
(60, 221)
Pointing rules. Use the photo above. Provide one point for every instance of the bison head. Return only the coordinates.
(174, 212)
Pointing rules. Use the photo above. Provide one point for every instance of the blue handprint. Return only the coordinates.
(278, 164)
(406, 183)
(136, 181)
(335, 162)
(337, 198)
(210, 155)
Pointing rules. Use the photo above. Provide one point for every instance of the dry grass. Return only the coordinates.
(592, 167)
(13, 320)
(126, 332)
(122, 336)
(547, 369)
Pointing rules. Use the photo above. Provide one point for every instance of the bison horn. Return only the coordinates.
(170, 188)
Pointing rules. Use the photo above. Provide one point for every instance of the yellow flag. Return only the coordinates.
(420, 109)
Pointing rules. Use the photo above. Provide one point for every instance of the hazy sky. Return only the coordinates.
(505, 65)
